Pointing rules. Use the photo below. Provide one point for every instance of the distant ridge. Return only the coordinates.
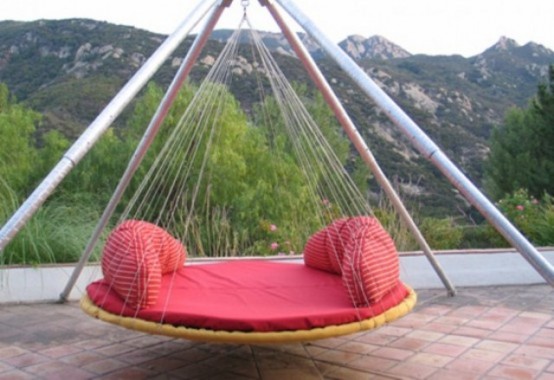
(376, 47)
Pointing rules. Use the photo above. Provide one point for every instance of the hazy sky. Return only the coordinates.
(465, 27)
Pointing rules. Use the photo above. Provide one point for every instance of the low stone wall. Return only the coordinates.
(463, 268)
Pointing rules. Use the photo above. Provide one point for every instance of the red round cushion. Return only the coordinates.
(315, 252)
(135, 256)
(337, 238)
(370, 267)
(325, 249)
(172, 253)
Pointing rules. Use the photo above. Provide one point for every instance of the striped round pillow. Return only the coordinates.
(325, 249)
(315, 252)
(370, 264)
(135, 257)
(172, 253)
(337, 238)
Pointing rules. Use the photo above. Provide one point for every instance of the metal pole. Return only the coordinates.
(95, 130)
(147, 139)
(354, 135)
(425, 145)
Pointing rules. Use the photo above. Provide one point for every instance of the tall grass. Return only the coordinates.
(57, 233)
(391, 222)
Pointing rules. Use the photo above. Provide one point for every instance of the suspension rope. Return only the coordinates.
(316, 157)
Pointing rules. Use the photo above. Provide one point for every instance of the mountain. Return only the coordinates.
(511, 70)
(376, 47)
(356, 46)
(69, 69)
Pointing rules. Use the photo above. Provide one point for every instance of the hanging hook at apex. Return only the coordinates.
(245, 4)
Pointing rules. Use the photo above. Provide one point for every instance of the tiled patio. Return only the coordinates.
(489, 332)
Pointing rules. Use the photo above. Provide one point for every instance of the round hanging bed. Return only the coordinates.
(348, 283)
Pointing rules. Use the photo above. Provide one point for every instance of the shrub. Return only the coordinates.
(391, 222)
(481, 236)
(441, 233)
(534, 218)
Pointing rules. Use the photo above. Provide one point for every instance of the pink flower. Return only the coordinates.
(273, 228)
(274, 246)
(325, 202)
(520, 207)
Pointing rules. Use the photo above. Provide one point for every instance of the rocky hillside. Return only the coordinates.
(377, 47)
(70, 69)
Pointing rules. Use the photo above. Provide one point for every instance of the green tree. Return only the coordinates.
(54, 144)
(522, 149)
(141, 117)
(247, 180)
(101, 169)
(17, 149)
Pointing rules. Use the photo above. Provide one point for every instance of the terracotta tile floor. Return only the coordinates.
(482, 333)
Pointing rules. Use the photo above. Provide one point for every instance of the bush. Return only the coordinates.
(441, 233)
(534, 218)
(481, 236)
(391, 222)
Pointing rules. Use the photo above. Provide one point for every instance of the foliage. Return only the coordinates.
(99, 171)
(441, 233)
(481, 236)
(534, 218)
(53, 146)
(521, 153)
(22, 161)
(17, 152)
(57, 233)
(75, 102)
(257, 201)
(261, 186)
(143, 112)
(246, 185)
(391, 222)
(251, 180)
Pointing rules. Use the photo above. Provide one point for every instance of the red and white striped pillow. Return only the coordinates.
(135, 256)
(360, 250)
(370, 267)
(315, 252)
(337, 238)
(325, 249)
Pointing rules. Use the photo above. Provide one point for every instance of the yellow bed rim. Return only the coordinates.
(241, 337)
